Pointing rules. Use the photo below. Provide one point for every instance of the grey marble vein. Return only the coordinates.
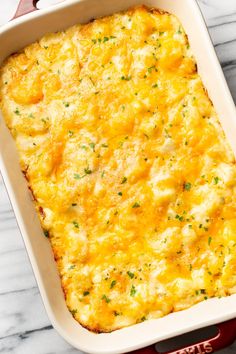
(24, 325)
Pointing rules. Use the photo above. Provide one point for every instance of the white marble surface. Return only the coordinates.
(24, 326)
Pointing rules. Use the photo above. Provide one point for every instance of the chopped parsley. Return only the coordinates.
(124, 180)
(152, 68)
(46, 233)
(17, 111)
(66, 104)
(179, 31)
(113, 283)
(126, 78)
(104, 297)
(179, 217)
(86, 293)
(130, 274)
(77, 176)
(87, 171)
(209, 240)
(136, 205)
(76, 224)
(104, 40)
(70, 132)
(133, 291)
(120, 193)
(73, 312)
(105, 145)
(187, 186)
(216, 180)
(92, 145)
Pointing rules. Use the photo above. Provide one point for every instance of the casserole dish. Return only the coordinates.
(39, 250)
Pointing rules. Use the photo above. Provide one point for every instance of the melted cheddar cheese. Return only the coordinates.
(133, 179)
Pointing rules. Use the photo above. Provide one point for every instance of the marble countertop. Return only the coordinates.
(24, 325)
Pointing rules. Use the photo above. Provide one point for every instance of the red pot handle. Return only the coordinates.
(25, 7)
(225, 337)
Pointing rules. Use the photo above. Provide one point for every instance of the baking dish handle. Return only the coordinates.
(226, 336)
(25, 7)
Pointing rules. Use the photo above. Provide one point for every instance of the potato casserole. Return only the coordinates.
(132, 176)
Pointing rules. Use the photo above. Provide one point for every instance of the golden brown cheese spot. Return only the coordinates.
(27, 90)
(133, 179)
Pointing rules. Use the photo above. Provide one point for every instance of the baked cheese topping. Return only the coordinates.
(133, 179)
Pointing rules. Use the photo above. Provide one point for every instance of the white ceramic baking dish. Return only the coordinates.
(29, 28)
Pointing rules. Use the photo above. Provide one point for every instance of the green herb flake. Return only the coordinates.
(120, 193)
(71, 133)
(66, 104)
(75, 224)
(77, 176)
(151, 69)
(126, 78)
(46, 233)
(104, 145)
(104, 297)
(133, 291)
(187, 186)
(136, 205)
(92, 145)
(179, 217)
(17, 111)
(124, 180)
(179, 31)
(87, 171)
(113, 283)
(155, 86)
(73, 312)
(86, 293)
(209, 240)
(130, 274)
(216, 180)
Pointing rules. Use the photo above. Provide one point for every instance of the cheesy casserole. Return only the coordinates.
(132, 176)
